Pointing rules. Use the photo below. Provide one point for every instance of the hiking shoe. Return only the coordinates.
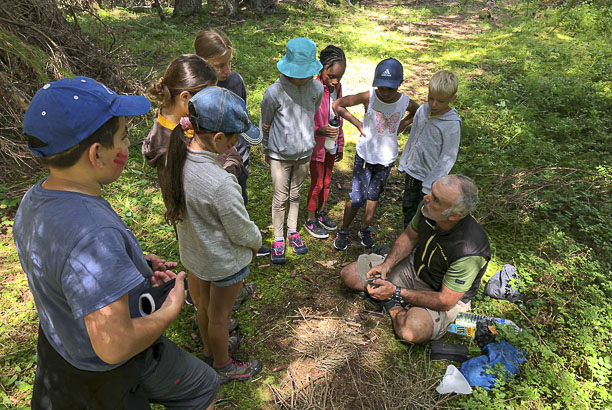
(297, 244)
(238, 370)
(233, 325)
(389, 304)
(366, 237)
(232, 348)
(263, 251)
(381, 249)
(341, 242)
(315, 229)
(246, 293)
(278, 252)
(326, 221)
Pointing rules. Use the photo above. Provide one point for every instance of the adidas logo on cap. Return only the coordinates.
(386, 73)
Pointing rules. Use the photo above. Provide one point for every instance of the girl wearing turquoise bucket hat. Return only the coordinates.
(287, 120)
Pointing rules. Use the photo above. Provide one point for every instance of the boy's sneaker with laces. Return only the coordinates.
(246, 293)
(315, 229)
(341, 242)
(297, 244)
(238, 370)
(366, 237)
(263, 251)
(232, 347)
(278, 252)
(325, 221)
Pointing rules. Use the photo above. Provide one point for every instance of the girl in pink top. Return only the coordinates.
(322, 160)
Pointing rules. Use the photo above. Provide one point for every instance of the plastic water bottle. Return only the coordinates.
(465, 323)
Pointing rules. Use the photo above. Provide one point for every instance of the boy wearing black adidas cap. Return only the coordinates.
(86, 269)
(377, 148)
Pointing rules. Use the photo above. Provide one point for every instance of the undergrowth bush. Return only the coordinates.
(537, 139)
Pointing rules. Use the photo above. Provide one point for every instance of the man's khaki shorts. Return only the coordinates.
(404, 275)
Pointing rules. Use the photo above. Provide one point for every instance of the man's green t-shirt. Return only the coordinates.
(461, 273)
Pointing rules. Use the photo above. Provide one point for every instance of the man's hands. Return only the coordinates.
(378, 286)
(381, 289)
(265, 128)
(379, 271)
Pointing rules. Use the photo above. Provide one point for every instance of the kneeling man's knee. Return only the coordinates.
(413, 326)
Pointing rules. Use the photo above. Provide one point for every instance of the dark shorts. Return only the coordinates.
(413, 195)
(164, 373)
(369, 181)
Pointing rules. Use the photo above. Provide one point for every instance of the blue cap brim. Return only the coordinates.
(129, 105)
(252, 136)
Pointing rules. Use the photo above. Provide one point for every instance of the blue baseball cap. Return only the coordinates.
(389, 73)
(219, 109)
(300, 60)
(65, 112)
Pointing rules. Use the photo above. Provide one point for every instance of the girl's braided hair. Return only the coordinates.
(331, 55)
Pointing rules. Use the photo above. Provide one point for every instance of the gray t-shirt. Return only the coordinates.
(79, 256)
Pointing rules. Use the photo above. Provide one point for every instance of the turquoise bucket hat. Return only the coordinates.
(300, 60)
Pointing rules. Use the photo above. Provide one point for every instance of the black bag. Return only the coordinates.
(448, 351)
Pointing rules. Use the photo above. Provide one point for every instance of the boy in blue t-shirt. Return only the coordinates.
(86, 269)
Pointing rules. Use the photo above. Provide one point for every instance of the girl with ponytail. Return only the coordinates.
(184, 77)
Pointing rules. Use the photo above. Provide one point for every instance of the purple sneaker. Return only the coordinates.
(296, 243)
(278, 252)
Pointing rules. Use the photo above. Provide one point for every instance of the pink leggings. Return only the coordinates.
(320, 180)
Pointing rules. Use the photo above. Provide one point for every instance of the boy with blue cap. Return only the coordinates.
(86, 269)
(377, 148)
(287, 116)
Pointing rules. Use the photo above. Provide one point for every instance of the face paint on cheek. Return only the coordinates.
(121, 158)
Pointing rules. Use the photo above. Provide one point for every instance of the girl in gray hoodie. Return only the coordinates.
(287, 116)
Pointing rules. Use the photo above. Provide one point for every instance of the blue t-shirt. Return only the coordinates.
(79, 256)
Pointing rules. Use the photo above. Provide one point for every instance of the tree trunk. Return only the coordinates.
(159, 9)
(185, 8)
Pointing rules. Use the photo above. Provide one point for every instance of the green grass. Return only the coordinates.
(535, 97)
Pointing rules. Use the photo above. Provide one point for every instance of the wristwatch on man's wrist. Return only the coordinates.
(397, 295)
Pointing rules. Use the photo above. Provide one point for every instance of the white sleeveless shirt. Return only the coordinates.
(380, 124)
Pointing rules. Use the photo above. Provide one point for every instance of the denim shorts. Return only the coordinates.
(369, 181)
(235, 278)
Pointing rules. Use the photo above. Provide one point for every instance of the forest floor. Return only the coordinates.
(321, 346)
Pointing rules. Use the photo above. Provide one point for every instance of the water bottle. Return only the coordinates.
(331, 144)
(465, 323)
